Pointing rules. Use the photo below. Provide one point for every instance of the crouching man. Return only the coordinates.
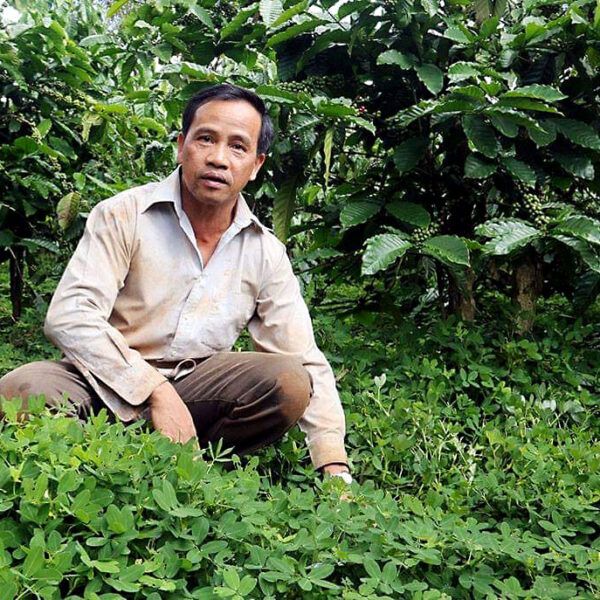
(163, 281)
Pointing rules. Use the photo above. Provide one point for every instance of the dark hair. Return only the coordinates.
(227, 91)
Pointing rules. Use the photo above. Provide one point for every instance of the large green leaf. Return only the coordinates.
(463, 70)
(289, 13)
(481, 135)
(432, 77)
(582, 227)
(393, 57)
(587, 287)
(576, 164)
(240, 18)
(477, 168)
(115, 7)
(68, 209)
(270, 11)
(539, 92)
(294, 30)
(582, 134)
(382, 250)
(507, 235)
(409, 153)
(520, 170)
(587, 253)
(449, 249)
(327, 149)
(283, 208)
(203, 16)
(505, 125)
(356, 213)
(409, 212)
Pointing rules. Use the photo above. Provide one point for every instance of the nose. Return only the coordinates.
(217, 156)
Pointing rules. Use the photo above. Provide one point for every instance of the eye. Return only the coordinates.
(239, 147)
(204, 138)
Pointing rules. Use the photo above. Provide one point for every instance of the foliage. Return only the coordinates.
(476, 455)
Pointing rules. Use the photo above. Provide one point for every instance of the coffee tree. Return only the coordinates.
(62, 113)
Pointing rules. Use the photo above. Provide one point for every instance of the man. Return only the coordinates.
(162, 282)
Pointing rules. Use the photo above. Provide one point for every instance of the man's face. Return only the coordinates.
(219, 155)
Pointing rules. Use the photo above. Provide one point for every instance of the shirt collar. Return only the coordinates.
(169, 190)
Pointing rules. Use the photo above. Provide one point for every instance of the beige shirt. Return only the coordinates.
(136, 295)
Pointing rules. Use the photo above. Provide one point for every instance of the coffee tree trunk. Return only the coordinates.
(528, 284)
(16, 261)
(460, 292)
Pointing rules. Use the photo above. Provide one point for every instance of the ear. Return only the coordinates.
(258, 163)
(180, 140)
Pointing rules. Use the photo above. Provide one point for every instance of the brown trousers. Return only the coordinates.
(249, 399)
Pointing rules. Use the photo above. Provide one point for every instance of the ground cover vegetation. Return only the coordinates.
(435, 176)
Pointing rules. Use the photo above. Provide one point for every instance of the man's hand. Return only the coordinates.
(170, 415)
(334, 468)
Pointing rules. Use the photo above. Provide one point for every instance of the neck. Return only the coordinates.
(207, 221)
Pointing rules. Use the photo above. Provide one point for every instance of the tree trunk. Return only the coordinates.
(528, 286)
(16, 280)
(462, 300)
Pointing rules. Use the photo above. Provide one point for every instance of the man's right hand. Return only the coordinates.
(170, 415)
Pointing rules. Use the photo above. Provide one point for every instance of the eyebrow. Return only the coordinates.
(236, 136)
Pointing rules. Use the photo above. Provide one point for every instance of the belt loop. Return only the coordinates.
(181, 369)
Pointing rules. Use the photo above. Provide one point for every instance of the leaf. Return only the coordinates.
(409, 153)
(203, 16)
(410, 212)
(477, 168)
(247, 584)
(447, 248)
(576, 164)
(582, 227)
(542, 134)
(34, 243)
(481, 135)
(293, 31)
(520, 170)
(327, 147)
(394, 57)
(382, 250)
(234, 25)
(34, 562)
(456, 35)
(283, 208)
(44, 126)
(356, 213)
(504, 125)
(372, 568)
(540, 92)
(506, 235)
(526, 104)
(579, 133)
(587, 289)
(270, 11)
(231, 578)
(462, 70)
(432, 77)
(67, 209)
(115, 7)
(586, 252)
(287, 14)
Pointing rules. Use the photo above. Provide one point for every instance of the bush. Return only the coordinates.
(476, 455)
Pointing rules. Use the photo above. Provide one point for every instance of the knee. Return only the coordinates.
(18, 383)
(293, 389)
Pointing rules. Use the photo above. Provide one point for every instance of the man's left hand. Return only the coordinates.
(334, 468)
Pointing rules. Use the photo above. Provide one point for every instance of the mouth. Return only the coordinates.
(214, 179)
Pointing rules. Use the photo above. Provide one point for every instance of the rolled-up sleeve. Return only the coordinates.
(78, 317)
(282, 324)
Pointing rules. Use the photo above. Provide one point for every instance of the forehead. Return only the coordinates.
(228, 116)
